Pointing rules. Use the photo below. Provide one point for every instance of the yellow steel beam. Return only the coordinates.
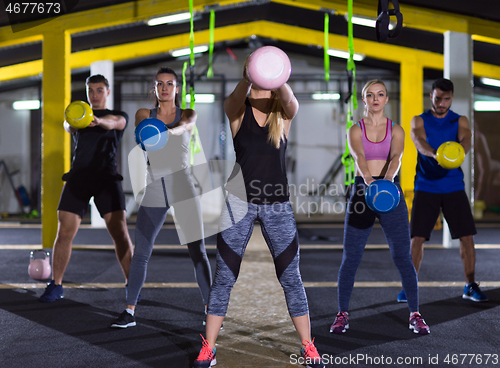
(485, 70)
(56, 92)
(413, 17)
(138, 11)
(165, 44)
(104, 17)
(381, 51)
(286, 33)
(22, 40)
(411, 103)
(136, 49)
(486, 39)
(23, 70)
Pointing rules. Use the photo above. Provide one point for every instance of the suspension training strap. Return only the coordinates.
(352, 101)
(194, 144)
(210, 72)
(326, 47)
(384, 19)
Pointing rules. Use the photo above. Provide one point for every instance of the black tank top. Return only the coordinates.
(262, 164)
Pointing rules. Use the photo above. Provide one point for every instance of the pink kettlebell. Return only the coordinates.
(268, 67)
(39, 268)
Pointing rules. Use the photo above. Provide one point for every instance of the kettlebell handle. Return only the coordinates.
(33, 252)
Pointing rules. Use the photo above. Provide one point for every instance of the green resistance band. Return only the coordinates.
(210, 72)
(347, 160)
(183, 93)
(351, 67)
(191, 57)
(326, 47)
(194, 144)
(352, 103)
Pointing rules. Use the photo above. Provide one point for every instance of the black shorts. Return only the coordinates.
(456, 211)
(107, 192)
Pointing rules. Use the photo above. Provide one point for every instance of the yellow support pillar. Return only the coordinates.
(56, 95)
(412, 103)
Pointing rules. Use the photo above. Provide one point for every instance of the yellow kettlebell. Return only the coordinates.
(79, 114)
(450, 155)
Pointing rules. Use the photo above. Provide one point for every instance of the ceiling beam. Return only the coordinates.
(282, 32)
(105, 17)
(140, 11)
(413, 17)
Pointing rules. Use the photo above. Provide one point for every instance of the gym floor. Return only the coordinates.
(74, 331)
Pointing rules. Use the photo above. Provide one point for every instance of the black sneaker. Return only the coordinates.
(125, 320)
(52, 292)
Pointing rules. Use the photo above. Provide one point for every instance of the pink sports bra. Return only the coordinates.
(376, 150)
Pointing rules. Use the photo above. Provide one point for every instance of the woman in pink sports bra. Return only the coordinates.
(376, 144)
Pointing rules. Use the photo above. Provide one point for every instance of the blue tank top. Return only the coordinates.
(430, 177)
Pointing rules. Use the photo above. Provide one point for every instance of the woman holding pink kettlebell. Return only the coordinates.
(260, 112)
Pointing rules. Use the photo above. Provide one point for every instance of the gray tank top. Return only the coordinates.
(172, 158)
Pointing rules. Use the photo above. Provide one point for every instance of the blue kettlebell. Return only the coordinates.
(382, 196)
(151, 134)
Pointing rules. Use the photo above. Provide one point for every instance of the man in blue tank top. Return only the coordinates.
(437, 188)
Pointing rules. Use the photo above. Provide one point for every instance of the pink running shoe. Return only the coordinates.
(206, 357)
(311, 355)
(418, 325)
(341, 323)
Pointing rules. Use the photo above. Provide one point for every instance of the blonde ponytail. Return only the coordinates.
(275, 121)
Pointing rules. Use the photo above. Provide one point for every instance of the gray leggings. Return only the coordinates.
(280, 232)
(149, 223)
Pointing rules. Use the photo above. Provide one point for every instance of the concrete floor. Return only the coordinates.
(257, 331)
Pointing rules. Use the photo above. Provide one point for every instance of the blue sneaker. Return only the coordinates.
(52, 292)
(402, 297)
(139, 298)
(474, 293)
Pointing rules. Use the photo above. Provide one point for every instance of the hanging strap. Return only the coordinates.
(191, 57)
(326, 47)
(210, 72)
(194, 144)
(351, 100)
(384, 18)
(183, 93)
